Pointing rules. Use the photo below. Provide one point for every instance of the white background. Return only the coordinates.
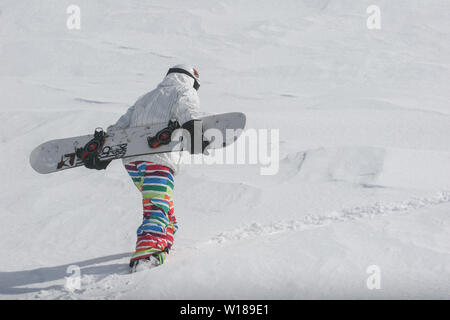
(364, 122)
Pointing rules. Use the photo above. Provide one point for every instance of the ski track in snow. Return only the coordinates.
(108, 281)
(347, 214)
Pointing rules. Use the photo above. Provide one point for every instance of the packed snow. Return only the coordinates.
(359, 207)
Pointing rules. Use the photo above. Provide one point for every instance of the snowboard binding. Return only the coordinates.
(89, 154)
(163, 137)
(195, 129)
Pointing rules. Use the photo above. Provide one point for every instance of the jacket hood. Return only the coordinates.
(177, 79)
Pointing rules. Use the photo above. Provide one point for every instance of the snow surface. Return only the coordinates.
(364, 176)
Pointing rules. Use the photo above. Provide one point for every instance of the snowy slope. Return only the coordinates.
(364, 173)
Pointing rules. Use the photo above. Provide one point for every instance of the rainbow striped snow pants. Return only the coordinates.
(155, 234)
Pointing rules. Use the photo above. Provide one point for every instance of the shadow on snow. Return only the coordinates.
(16, 282)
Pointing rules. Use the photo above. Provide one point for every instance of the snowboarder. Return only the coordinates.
(175, 98)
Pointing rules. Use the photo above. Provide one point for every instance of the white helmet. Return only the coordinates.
(187, 70)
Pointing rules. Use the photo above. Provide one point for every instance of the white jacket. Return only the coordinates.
(174, 98)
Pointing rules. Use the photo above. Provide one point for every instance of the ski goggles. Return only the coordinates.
(178, 70)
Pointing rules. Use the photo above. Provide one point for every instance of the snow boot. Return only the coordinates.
(149, 262)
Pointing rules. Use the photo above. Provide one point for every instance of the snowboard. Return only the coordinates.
(61, 154)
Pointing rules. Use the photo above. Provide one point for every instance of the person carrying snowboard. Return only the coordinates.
(175, 98)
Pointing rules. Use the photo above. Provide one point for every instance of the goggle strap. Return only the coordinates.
(179, 70)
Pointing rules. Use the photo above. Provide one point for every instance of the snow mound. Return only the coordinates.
(371, 167)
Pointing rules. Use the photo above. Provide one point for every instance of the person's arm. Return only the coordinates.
(187, 112)
(123, 122)
(187, 107)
